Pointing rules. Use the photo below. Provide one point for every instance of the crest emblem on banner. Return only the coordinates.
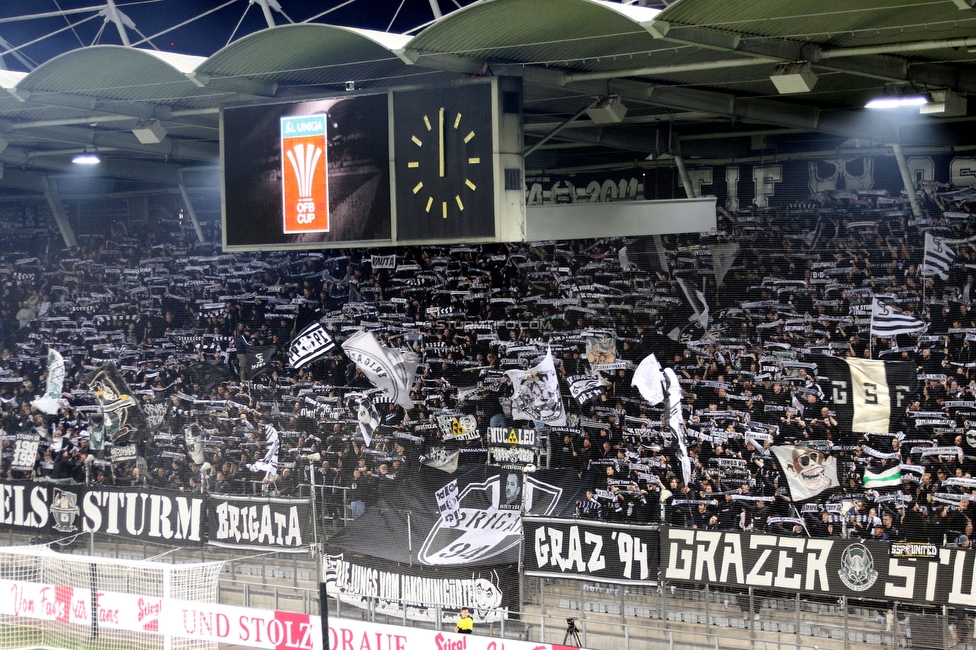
(857, 570)
(64, 509)
(474, 537)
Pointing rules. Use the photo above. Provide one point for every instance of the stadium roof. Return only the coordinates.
(695, 76)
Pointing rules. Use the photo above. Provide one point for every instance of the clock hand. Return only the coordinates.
(440, 139)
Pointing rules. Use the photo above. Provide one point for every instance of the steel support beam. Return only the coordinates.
(237, 85)
(193, 213)
(139, 110)
(848, 124)
(868, 61)
(60, 216)
(538, 143)
(679, 162)
(169, 148)
(906, 179)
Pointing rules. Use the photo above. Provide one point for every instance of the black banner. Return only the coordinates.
(487, 530)
(489, 592)
(260, 523)
(830, 566)
(590, 550)
(158, 516)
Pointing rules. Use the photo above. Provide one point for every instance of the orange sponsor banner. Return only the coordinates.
(304, 181)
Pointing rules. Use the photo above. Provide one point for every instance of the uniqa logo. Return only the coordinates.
(857, 568)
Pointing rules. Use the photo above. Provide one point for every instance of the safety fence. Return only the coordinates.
(657, 613)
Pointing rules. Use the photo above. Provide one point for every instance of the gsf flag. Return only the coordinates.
(868, 396)
(312, 343)
(808, 472)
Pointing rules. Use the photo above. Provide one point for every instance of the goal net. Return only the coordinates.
(59, 601)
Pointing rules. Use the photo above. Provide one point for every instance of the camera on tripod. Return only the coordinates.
(572, 636)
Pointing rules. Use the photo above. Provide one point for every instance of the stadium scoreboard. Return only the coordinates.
(404, 166)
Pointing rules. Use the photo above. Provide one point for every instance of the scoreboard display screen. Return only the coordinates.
(306, 175)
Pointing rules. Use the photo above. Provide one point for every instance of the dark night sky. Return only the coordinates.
(201, 37)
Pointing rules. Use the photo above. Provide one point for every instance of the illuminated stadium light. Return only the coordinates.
(87, 157)
(897, 102)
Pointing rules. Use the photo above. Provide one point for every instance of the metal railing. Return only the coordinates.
(644, 617)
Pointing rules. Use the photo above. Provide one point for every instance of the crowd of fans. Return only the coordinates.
(173, 315)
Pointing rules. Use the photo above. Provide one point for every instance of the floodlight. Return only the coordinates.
(88, 157)
(792, 78)
(887, 103)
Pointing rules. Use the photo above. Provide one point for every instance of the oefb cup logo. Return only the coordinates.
(304, 185)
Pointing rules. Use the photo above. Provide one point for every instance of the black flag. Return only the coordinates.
(255, 359)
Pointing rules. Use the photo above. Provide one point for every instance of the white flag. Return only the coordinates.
(383, 261)
(390, 370)
(723, 257)
(676, 423)
(536, 395)
(310, 344)
(49, 402)
(194, 443)
(698, 304)
(369, 419)
(887, 321)
(270, 461)
(441, 458)
(649, 380)
(448, 504)
(938, 257)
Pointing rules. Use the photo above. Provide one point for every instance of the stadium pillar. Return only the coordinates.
(679, 162)
(191, 212)
(60, 216)
(112, 14)
(906, 178)
(266, 10)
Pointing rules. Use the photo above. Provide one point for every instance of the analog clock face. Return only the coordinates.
(443, 161)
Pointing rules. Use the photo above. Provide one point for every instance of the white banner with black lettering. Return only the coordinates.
(597, 551)
(260, 523)
(423, 591)
(831, 566)
(25, 451)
